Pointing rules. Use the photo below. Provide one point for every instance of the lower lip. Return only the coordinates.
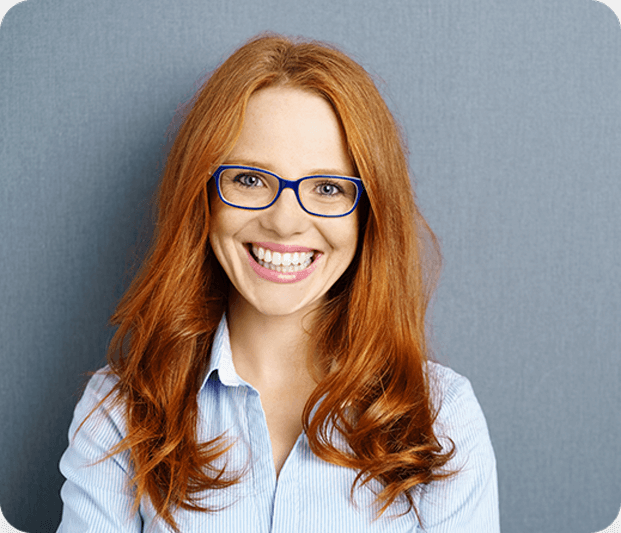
(281, 277)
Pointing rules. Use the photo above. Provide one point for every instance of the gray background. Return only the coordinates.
(513, 115)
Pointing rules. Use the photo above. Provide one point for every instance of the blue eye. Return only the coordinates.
(328, 189)
(248, 180)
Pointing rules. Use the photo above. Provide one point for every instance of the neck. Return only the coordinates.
(269, 349)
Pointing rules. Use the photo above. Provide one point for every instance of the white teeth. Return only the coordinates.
(284, 269)
(282, 262)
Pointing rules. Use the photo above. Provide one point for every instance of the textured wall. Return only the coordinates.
(512, 112)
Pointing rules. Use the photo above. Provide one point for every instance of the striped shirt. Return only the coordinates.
(309, 495)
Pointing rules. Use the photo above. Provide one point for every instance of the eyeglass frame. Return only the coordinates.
(288, 184)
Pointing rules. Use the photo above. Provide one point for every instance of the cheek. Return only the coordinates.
(346, 240)
(215, 227)
(217, 212)
(223, 220)
(219, 230)
(227, 230)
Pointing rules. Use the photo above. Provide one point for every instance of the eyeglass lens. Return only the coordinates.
(324, 195)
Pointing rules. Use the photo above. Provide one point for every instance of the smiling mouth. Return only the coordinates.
(282, 262)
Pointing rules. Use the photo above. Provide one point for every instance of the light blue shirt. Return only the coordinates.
(309, 495)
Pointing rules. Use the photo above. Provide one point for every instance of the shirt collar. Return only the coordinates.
(221, 359)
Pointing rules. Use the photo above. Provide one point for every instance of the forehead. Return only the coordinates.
(291, 131)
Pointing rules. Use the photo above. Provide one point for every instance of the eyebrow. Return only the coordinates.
(264, 166)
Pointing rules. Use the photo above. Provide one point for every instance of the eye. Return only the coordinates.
(251, 181)
(328, 189)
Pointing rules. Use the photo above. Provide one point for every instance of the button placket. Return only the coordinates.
(261, 460)
(286, 510)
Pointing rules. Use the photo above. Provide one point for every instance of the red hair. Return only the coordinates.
(370, 334)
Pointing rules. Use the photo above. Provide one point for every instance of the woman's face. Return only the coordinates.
(292, 133)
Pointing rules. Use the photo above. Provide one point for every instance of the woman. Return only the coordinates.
(270, 370)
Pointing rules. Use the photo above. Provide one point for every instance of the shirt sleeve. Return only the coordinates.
(96, 494)
(467, 502)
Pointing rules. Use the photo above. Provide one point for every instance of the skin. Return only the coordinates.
(293, 133)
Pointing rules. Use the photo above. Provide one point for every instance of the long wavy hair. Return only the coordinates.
(370, 334)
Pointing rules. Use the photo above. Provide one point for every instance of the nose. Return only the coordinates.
(286, 216)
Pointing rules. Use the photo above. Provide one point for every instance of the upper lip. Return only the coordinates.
(282, 248)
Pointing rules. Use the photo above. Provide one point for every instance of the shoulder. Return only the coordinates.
(453, 398)
(101, 383)
(460, 419)
(444, 381)
(100, 386)
(100, 410)
(468, 500)
(459, 416)
(97, 494)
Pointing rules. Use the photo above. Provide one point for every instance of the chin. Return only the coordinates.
(285, 307)
(278, 301)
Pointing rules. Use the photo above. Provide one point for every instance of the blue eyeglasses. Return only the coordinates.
(255, 188)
